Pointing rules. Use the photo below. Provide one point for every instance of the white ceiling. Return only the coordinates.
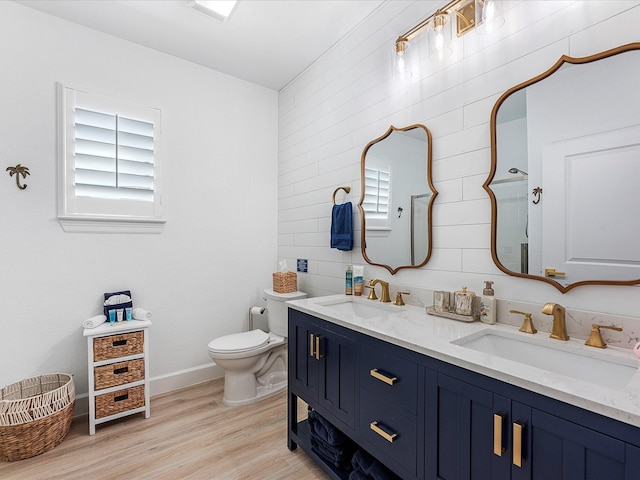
(268, 42)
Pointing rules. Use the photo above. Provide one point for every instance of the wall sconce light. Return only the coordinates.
(483, 15)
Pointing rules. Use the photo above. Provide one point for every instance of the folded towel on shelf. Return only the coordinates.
(340, 457)
(141, 314)
(342, 227)
(323, 429)
(370, 468)
(94, 322)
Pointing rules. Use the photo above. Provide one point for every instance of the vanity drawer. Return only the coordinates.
(116, 346)
(389, 429)
(120, 401)
(119, 373)
(390, 377)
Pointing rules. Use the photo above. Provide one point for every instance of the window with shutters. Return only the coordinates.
(109, 164)
(377, 192)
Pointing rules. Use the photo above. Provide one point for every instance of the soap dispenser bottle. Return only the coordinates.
(348, 284)
(463, 300)
(488, 304)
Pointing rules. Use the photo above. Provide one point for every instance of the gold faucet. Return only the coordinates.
(559, 328)
(595, 339)
(385, 290)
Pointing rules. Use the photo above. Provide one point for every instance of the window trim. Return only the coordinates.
(74, 221)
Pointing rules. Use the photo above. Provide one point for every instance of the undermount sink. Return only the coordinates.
(575, 361)
(360, 309)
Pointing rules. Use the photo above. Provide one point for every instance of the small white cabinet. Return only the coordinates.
(118, 368)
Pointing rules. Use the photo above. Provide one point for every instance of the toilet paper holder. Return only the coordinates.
(255, 311)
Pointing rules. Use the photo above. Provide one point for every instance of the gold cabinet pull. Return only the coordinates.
(312, 345)
(318, 354)
(551, 272)
(498, 447)
(383, 378)
(517, 443)
(389, 437)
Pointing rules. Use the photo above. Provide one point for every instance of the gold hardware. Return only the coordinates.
(17, 171)
(537, 192)
(372, 293)
(498, 449)
(559, 328)
(385, 290)
(389, 437)
(551, 272)
(312, 344)
(399, 300)
(318, 354)
(517, 443)
(346, 189)
(527, 324)
(388, 380)
(595, 339)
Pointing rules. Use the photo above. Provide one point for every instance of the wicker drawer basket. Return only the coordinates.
(120, 401)
(118, 373)
(116, 346)
(285, 282)
(35, 415)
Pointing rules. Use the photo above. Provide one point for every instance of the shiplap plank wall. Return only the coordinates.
(349, 97)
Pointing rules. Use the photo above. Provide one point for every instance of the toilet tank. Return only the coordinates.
(277, 309)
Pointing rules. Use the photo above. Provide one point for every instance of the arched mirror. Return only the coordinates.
(565, 164)
(397, 196)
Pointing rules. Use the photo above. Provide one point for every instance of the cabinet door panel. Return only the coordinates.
(337, 375)
(465, 432)
(303, 372)
(565, 451)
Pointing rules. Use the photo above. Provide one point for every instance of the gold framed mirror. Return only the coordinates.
(397, 198)
(565, 149)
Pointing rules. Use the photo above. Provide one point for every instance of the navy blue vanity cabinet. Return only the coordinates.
(390, 405)
(485, 429)
(460, 431)
(555, 448)
(323, 372)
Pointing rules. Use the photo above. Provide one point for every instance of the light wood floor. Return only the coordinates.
(190, 435)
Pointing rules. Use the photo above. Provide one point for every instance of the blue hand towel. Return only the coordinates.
(342, 227)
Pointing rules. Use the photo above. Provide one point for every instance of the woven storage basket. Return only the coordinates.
(35, 415)
(285, 282)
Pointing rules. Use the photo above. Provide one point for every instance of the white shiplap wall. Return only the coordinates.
(349, 97)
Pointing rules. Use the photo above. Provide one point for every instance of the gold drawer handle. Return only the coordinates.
(389, 437)
(312, 345)
(383, 378)
(517, 443)
(498, 449)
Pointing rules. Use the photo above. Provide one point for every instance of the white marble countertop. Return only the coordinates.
(412, 328)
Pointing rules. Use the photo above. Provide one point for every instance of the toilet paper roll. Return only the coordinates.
(257, 310)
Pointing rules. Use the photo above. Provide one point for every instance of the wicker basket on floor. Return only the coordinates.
(35, 415)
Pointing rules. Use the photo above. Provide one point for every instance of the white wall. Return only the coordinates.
(218, 249)
(349, 97)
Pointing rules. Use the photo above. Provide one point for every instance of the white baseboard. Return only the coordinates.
(163, 384)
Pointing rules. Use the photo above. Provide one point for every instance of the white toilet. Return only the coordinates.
(255, 362)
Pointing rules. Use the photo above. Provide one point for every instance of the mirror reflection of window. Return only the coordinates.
(377, 195)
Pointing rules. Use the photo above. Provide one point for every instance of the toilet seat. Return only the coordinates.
(239, 342)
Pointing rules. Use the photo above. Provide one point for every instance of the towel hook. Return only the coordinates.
(346, 189)
(17, 171)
